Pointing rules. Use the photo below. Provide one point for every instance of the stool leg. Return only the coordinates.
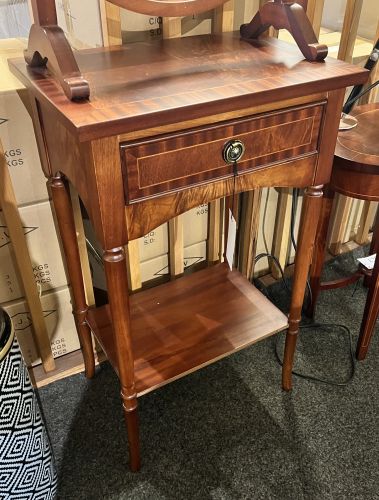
(65, 218)
(118, 295)
(308, 225)
(319, 249)
(370, 314)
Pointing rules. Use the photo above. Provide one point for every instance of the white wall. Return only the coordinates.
(14, 18)
(334, 12)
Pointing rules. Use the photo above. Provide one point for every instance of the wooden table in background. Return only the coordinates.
(355, 174)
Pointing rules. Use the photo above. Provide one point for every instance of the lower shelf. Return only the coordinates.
(189, 323)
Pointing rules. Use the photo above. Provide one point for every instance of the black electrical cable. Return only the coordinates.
(272, 257)
(283, 278)
(351, 101)
(370, 64)
(92, 250)
(322, 326)
(310, 325)
(295, 197)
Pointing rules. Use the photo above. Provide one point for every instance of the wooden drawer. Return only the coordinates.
(167, 163)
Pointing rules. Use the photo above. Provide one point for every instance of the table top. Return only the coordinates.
(154, 83)
(360, 145)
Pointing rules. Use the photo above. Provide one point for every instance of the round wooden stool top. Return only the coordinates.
(356, 161)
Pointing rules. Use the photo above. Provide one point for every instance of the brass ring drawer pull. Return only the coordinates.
(233, 151)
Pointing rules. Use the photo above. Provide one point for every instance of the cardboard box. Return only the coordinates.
(60, 324)
(137, 27)
(21, 154)
(195, 225)
(43, 248)
(81, 22)
(153, 253)
(159, 266)
(10, 48)
(154, 256)
(154, 268)
(154, 244)
(199, 24)
(154, 247)
(195, 254)
(14, 18)
(16, 131)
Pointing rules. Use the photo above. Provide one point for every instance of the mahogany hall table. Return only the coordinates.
(148, 146)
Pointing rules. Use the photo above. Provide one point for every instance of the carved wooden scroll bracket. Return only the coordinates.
(292, 17)
(48, 47)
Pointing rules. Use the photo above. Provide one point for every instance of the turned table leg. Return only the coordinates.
(318, 257)
(371, 311)
(65, 218)
(308, 225)
(118, 296)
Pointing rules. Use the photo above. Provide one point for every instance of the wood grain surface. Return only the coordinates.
(188, 323)
(360, 145)
(148, 214)
(356, 163)
(24, 265)
(177, 161)
(144, 85)
(65, 219)
(44, 13)
(117, 285)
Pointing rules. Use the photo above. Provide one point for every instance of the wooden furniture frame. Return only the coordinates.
(72, 363)
(142, 152)
(354, 174)
(290, 16)
(49, 47)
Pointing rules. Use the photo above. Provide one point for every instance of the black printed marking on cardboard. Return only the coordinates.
(187, 263)
(22, 321)
(4, 234)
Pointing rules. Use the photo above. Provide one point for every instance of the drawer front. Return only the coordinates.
(156, 166)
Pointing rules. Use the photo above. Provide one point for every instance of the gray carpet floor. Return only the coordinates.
(229, 431)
